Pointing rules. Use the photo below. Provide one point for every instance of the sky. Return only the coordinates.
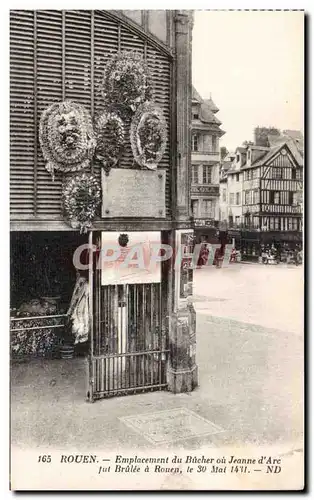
(252, 65)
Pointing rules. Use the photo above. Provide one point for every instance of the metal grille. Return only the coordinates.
(129, 340)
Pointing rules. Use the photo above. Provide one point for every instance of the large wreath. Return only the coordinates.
(66, 137)
(126, 80)
(81, 198)
(110, 134)
(148, 136)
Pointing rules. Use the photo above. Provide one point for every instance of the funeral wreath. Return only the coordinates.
(66, 137)
(148, 135)
(110, 134)
(126, 80)
(81, 198)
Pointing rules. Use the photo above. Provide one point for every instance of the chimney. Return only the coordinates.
(261, 135)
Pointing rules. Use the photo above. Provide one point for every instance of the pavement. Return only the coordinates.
(250, 359)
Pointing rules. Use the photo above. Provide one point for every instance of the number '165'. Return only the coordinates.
(44, 458)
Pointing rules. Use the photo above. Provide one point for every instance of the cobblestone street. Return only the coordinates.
(250, 375)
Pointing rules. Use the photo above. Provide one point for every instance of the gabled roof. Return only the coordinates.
(207, 115)
(195, 95)
(235, 168)
(241, 149)
(272, 151)
(294, 134)
(206, 111)
(290, 135)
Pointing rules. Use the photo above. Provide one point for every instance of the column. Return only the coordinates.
(183, 80)
(182, 374)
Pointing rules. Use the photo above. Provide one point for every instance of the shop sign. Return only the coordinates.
(208, 190)
(132, 262)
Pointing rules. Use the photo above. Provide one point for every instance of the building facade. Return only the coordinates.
(205, 165)
(60, 56)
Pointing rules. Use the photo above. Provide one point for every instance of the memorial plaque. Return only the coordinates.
(133, 193)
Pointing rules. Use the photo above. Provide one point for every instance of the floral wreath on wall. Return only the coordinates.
(110, 138)
(81, 197)
(66, 137)
(148, 135)
(126, 80)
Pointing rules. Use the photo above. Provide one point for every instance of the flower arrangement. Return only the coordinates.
(126, 80)
(81, 198)
(148, 135)
(110, 135)
(38, 341)
(66, 137)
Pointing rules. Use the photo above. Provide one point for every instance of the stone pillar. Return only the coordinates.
(182, 373)
(183, 80)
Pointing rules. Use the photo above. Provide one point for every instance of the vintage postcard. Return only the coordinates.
(156, 250)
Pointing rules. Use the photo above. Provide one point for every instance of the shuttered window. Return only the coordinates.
(58, 55)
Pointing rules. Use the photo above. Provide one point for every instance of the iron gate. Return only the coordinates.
(129, 341)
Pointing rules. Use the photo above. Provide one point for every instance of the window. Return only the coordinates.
(256, 196)
(294, 198)
(194, 204)
(276, 197)
(231, 199)
(247, 197)
(207, 174)
(277, 224)
(207, 207)
(238, 157)
(292, 224)
(238, 199)
(237, 177)
(296, 174)
(194, 142)
(249, 175)
(195, 174)
(271, 223)
(291, 198)
(277, 173)
(224, 195)
(214, 144)
(195, 116)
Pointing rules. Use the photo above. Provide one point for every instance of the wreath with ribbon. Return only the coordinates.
(110, 138)
(127, 80)
(148, 135)
(66, 137)
(81, 197)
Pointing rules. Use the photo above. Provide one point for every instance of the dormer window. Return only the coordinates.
(238, 157)
(195, 116)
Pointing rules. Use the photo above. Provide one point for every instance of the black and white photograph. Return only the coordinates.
(156, 326)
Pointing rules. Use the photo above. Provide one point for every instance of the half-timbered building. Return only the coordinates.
(272, 196)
